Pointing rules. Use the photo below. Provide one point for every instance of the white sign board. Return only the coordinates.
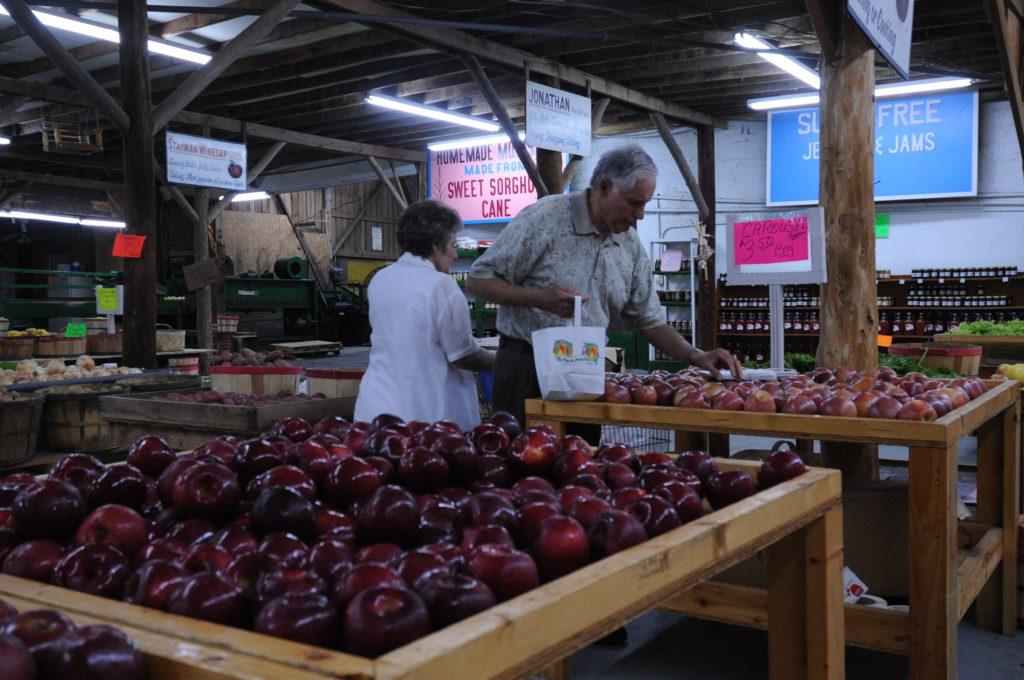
(888, 24)
(557, 120)
(205, 162)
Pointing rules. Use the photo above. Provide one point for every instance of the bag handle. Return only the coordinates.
(577, 311)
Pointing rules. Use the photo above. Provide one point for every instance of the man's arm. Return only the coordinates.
(557, 299)
(670, 342)
(481, 360)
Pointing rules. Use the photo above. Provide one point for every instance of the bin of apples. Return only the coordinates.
(44, 644)
(239, 399)
(876, 393)
(358, 536)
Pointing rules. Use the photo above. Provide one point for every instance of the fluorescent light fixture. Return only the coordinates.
(110, 224)
(98, 31)
(62, 219)
(890, 90)
(918, 86)
(250, 196)
(790, 66)
(471, 141)
(4, 140)
(431, 112)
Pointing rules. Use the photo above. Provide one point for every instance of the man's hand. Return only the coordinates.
(558, 299)
(715, 359)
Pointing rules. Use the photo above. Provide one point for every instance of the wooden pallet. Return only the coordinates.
(944, 581)
(186, 425)
(308, 348)
(798, 522)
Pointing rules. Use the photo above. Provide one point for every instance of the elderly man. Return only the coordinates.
(578, 244)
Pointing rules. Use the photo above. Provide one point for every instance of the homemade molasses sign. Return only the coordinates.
(205, 162)
(483, 183)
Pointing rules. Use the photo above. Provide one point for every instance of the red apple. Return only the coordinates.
(283, 509)
(451, 597)
(690, 398)
(15, 661)
(206, 490)
(534, 451)
(11, 485)
(209, 596)
(587, 509)
(7, 613)
(418, 564)
(864, 401)
(759, 401)
(530, 518)
(421, 469)
(614, 393)
(779, 467)
(506, 571)
(728, 487)
(507, 422)
(683, 497)
(274, 584)
(192, 530)
(39, 630)
(884, 407)
(801, 404)
(561, 546)
(381, 619)
(485, 533)
(151, 455)
(655, 514)
(389, 515)
(644, 395)
(48, 509)
(572, 463)
(699, 463)
(115, 525)
(618, 453)
(308, 618)
(491, 439)
(383, 553)
(295, 429)
(204, 557)
(917, 409)
(121, 484)
(727, 401)
(615, 530)
(362, 577)
(283, 475)
(256, 456)
(349, 479)
(152, 584)
(93, 569)
(35, 560)
(330, 557)
(282, 551)
(461, 457)
(624, 497)
(332, 425)
(838, 406)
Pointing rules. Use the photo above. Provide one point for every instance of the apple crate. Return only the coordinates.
(799, 523)
(256, 379)
(333, 382)
(947, 572)
(186, 425)
(72, 422)
(19, 429)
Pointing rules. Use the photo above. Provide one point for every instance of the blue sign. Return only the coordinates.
(925, 147)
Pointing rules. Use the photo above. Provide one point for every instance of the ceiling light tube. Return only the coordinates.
(890, 90)
(790, 66)
(110, 224)
(4, 140)
(431, 112)
(471, 141)
(98, 31)
(43, 217)
(250, 196)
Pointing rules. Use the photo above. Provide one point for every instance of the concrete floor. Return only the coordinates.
(662, 645)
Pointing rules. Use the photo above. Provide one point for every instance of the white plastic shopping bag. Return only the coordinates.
(569, 360)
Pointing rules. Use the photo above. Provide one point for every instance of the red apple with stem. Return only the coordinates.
(381, 619)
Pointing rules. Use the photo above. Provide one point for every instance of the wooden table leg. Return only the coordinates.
(688, 440)
(718, 444)
(932, 551)
(806, 639)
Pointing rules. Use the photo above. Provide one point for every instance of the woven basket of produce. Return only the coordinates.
(57, 346)
(71, 418)
(16, 347)
(20, 416)
(104, 343)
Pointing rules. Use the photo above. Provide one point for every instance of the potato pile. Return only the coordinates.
(248, 357)
(88, 388)
(6, 396)
(31, 370)
(237, 399)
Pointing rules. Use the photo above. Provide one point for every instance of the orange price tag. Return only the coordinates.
(884, 340)
(128, 245)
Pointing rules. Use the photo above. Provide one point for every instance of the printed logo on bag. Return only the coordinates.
(591, 352)
(562, 349)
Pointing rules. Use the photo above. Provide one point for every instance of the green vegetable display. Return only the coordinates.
(1015, 327)
(904, 365)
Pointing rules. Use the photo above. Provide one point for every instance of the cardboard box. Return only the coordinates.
(875, 518)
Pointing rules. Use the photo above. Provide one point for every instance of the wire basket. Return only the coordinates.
(637, 438)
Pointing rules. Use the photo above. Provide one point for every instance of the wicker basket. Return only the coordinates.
(168, 340)
(58, 346)
(71, 422)
(964, 359)
(256, 379)
(96, 324)
(104, 343)
(16, 348)
(19, 427)
(333, 382)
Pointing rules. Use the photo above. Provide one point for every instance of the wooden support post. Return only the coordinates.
(363, 209)
(225, 56)
(11, 106)
(67, 64)
(139, 187)
(201, 252)
(386, 181)
(254, 172)
(931, 552)
(499, 110)
(322, 280)
(1007, 19)
(596, 116)
(707, 288)
(849, 316)
(398, 182)
(421, 181)
(684, 167)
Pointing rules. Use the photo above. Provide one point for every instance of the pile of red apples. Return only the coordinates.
(44, 644)
(354, 536)
(877, 393)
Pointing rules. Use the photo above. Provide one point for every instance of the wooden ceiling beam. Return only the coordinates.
(447, 40)
(1009, 29)
(43, 178)
(192, 22)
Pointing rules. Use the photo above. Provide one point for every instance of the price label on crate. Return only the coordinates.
(885, 341)
(128, 245)
(75, 330)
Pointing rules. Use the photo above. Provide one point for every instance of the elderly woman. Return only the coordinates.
(422, 346)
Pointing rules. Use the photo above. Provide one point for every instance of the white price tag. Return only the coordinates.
(903, 281)
(942, 280)
(247, 292)
(963, 280)
(1006, 279)
(920, 280)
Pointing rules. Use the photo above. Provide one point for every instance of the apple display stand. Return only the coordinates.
(777, 336)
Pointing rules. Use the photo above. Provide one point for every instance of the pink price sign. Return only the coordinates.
(483, 183)
(771, 241)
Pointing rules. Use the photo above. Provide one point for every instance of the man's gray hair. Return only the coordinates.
(624, 167)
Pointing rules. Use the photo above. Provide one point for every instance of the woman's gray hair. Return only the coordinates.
(624, 167)
(426, 224)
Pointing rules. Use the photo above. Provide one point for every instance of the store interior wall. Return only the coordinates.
(976, 231)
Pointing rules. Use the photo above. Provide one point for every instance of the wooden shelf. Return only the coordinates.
(683, 272)
(676, 304)
(949, 279)
(950, 309)
(784, 308)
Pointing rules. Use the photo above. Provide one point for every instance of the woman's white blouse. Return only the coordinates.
(421, 324)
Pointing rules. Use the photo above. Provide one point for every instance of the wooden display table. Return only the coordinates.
(944, 580)
(799, 522)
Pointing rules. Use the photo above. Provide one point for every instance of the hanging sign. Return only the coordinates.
(109, 300)
(671, 261)
(775, 248)
(128, 245)
(75, 330)
(557, 120)
(925, 147)
(783, 239)
(483, 183)
(888, 26)
(205, 162)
